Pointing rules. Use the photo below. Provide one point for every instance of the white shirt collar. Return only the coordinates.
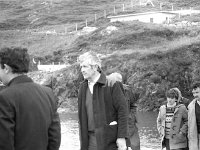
(95, 79)
(91, 84)
(171, 105)
(198, 102)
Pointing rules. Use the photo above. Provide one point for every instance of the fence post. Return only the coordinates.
(86, 22)
(123, 7)
(172, 7)
(160, 6)
(76, 27)
(180, 13)
(132, 3)
(95, 17)
(105, 13)
(114, 10)
(65, 30)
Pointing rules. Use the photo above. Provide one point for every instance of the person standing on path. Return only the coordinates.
(131, 99)
(102, 109)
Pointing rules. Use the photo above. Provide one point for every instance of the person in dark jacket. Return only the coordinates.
(102, 108)
(131, 99)
(28, 111)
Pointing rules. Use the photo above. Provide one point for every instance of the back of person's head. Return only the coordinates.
(196, 85)
(115, 77)
(172, 93)
(91, 58)
(17, 58)
(47, 81)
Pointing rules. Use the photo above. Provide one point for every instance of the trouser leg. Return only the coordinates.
(92, 141)
(135, 141)
(167, 144)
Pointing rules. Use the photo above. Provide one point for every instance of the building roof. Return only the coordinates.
(144, 13)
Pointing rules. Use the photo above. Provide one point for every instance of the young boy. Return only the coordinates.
(172, 122)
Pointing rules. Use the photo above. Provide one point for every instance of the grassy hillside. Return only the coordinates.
(152, 58)
(20, 18)
(22, 14)
(149, 74)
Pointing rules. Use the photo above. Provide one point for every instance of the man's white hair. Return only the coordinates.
(90, 57)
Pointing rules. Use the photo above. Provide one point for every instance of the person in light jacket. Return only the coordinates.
(172, 123)
(194, 119)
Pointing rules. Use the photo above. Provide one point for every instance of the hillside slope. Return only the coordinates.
(152, 58)
(28, 14)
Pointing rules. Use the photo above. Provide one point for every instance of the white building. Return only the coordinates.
(51, 68)
(148, 17)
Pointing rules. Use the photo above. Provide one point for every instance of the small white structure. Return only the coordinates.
(51, 68)
(148, 17)
(148, 2)
(186, 12)
(108, 30)
(87, 30)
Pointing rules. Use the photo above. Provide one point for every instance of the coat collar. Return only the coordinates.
(176, 107)
(101, 80)
(19, 79)
(192, 104)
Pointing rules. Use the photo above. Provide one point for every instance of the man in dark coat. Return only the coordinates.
(28, 111)
(102, 109)
(131, 99)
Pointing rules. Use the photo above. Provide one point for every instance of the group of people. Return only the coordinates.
(106, 110)
(28, 111)
(178, 121)
(105, 107)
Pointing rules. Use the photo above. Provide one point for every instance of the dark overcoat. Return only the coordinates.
(109, 105)
(28, 117)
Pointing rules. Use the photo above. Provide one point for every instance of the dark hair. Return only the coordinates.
(172, 93)
(196, 85)
(15, 57)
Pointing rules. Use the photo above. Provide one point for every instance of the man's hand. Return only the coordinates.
(121, 143)
(129, 148)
